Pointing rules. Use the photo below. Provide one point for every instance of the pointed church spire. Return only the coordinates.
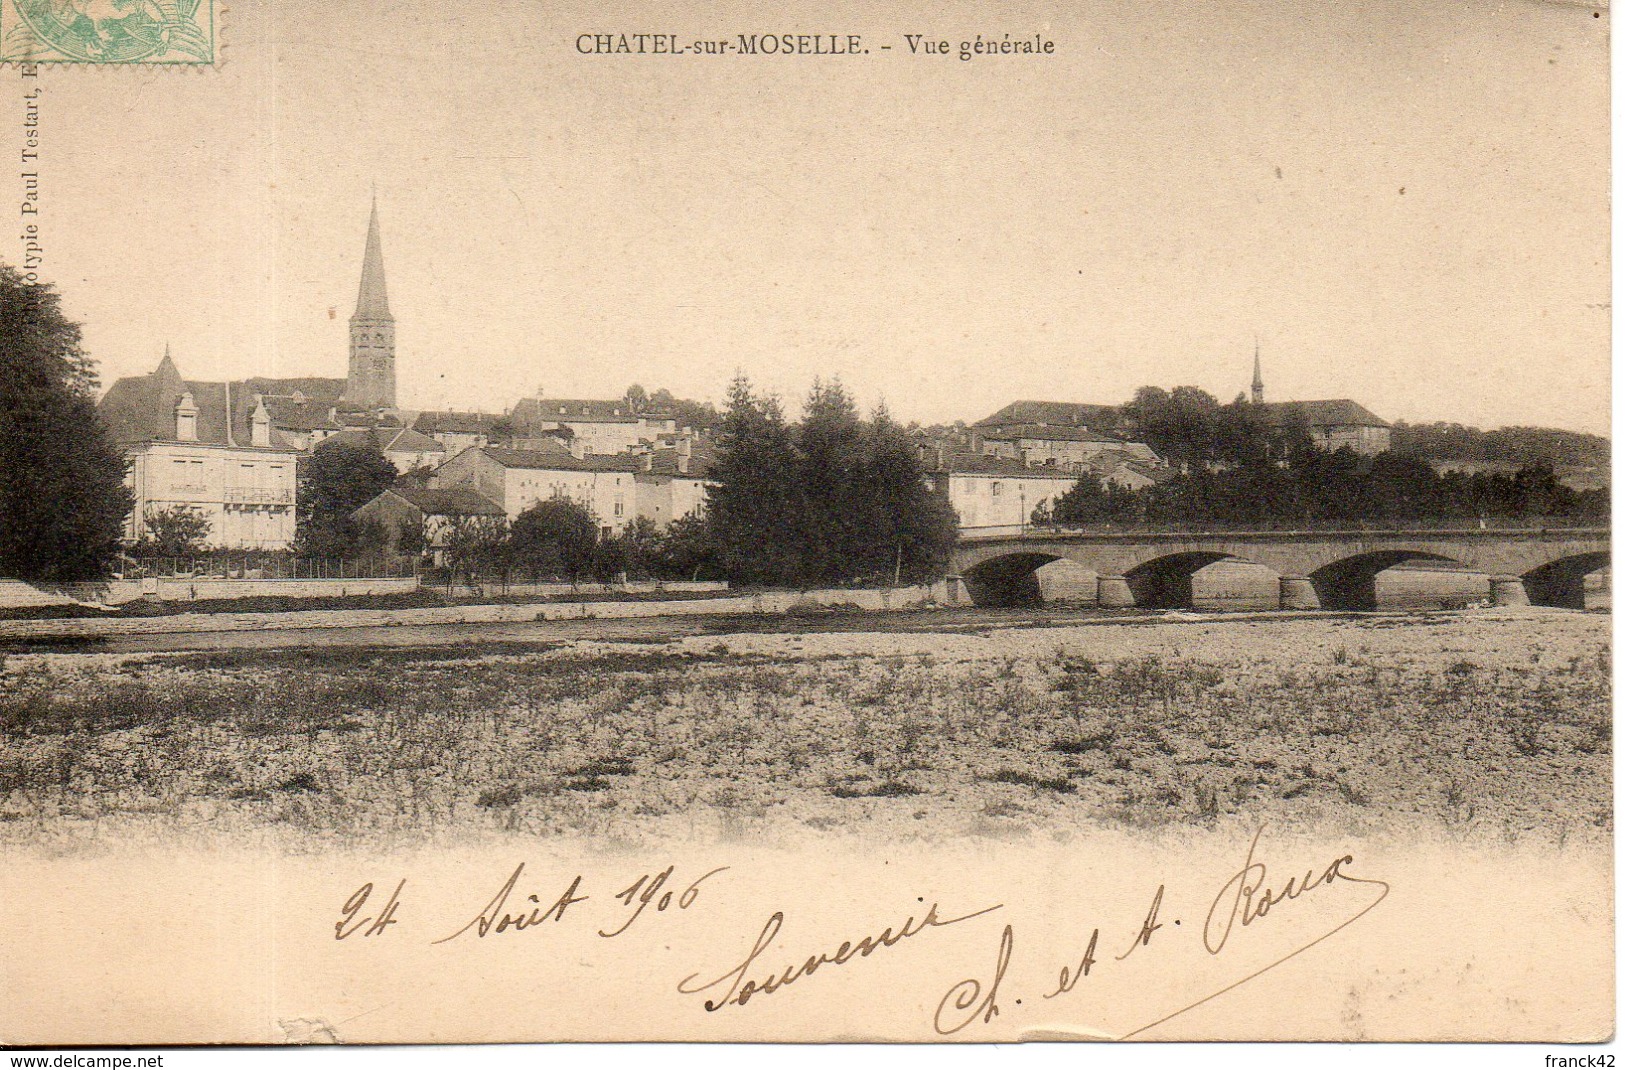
(371, 383)
(1258, 376)
(372, 303)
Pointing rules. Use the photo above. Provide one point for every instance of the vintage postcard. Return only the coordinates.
(929, 522)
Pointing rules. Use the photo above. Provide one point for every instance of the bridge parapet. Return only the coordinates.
(1339, 564)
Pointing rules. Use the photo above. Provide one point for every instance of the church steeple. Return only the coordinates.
(1258, 377)
(372, 303)
(371, 383)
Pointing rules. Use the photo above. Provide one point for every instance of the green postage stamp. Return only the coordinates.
(169, 32)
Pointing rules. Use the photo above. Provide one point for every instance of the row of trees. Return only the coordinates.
(830, 500)
(561, 539)
(1317, 487)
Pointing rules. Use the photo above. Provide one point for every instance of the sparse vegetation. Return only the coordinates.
(1183, 725)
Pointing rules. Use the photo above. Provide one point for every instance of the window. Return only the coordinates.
(997, 488)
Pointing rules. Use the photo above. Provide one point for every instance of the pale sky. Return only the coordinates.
(1406, 203)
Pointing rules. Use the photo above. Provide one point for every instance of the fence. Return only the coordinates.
(253, 566)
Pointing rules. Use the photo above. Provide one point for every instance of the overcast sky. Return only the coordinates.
(1406, 204)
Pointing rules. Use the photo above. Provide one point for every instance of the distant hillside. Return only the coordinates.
(1515, 446)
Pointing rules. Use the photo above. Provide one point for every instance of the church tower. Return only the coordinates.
(1258, 378)
(371, 383)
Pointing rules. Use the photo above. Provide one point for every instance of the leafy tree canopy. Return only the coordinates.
(335, 481)
(63, 501)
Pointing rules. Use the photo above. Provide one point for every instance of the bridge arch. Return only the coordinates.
(1562, 582)
(1351, 582)
(1007, 580)
(1165, 582)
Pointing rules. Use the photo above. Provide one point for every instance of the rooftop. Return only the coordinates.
(1339, 412)
(980, 464)
(1047, 432)
(461, 423)
(561, 462)
(447, 501)
(1052, 414)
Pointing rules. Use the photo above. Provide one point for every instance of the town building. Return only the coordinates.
(431, 513)
(1332, 424)
(672, 482)
(1020, 415)
(208, 446)
(1071, 449)
(406, 449)
(1127, 470)
(518, 479)
(459, 431)
(993, 495)
(602, 428)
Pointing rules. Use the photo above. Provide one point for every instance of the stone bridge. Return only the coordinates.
(1317, 569)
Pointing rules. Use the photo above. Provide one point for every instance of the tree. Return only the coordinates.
(640, 547)
(756, 494)
(835, 522)
(637, 397)
(179, 531)
(338, 479)
(686, 549)
(556, 537)
(1181, 425)
(1092, 500)
(410, 539)
(63, 501)
(907, 532)
(475, 546)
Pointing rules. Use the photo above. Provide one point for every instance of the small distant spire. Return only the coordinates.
(1258, 375)
(166, 368)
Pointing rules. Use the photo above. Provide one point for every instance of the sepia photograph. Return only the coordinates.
(913, 522)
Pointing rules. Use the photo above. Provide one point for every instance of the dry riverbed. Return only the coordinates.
(1482, 723)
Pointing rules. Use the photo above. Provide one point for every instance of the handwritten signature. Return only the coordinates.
(1245, 899)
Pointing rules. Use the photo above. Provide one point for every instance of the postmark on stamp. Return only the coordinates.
(108, 32)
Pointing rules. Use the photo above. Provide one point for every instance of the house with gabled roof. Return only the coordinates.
(1334, 424)
(405, 448)
(602, 427)
(518, 479)
(459, 431)
(211, 447)
(674, 481)
(1052, 414)
(431, 512)
(1065, 447)
(992, 495)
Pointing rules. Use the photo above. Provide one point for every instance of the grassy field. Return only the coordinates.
(1492, 723)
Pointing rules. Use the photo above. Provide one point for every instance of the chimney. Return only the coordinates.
(186, 418)
(578, 447)
(682, 462)
(261, 423)
(685, 447)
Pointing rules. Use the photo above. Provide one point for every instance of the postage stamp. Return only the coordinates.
(108, 32)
